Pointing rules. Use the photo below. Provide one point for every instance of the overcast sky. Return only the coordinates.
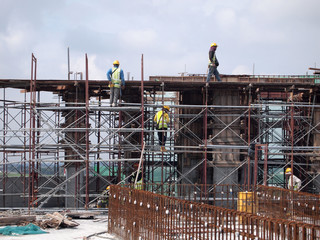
(276, 36)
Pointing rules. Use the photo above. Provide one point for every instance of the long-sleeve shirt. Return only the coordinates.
(296, 183)
(109, 76)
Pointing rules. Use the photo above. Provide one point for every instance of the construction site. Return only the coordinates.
(222, 175)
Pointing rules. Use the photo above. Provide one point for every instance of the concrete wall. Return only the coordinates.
(16, 193)
(14, 198)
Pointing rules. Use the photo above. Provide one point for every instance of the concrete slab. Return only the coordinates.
(87, 227)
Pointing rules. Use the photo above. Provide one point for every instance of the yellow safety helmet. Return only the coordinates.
(213, 45)
(166, 107)
(116, 62)
(288, 171)
(108, 188)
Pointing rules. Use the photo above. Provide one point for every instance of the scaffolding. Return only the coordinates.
(64, 153)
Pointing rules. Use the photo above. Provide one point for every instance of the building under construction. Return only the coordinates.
(244, 131)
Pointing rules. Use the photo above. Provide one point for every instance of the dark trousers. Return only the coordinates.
(162, 137)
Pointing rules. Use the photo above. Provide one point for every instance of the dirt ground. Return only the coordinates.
(86, 227)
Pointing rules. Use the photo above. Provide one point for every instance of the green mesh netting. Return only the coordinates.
(28, 229)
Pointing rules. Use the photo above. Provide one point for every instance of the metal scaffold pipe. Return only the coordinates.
(43, 144)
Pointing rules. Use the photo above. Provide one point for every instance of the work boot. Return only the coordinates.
(207, 84)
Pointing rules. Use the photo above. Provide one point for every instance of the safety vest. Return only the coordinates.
(162, 119)
(139, 181)
(139, 185)
(115, 77)
(213, 60)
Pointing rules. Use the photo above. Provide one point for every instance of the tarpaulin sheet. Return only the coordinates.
(23, 230)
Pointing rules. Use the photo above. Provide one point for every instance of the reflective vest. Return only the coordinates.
(213, 60)
(115, 77)
(139, 182)
(139, 185)
(162, 119)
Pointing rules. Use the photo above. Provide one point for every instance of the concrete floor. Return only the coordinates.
(86, 228)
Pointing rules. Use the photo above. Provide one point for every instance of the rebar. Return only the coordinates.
(137, 214)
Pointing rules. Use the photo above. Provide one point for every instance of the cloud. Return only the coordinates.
(14, 38)
(279, 36)
(242, 69)
(227, 18)
(143, 38)
(95, 72)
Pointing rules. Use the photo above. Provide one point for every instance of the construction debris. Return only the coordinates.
(16, 220)
(57, 221)
(82, 215)
(94, 235)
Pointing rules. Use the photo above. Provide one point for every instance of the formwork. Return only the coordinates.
(244, 130)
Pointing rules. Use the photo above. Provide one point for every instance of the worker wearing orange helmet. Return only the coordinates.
(162, 120)
(294, 183)
(116, 82)
(213, 63)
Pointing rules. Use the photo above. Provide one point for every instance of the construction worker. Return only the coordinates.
(116, 82)
(104, 198)
(138, 184)
(162, 120)
(294, 183)
(213, 64)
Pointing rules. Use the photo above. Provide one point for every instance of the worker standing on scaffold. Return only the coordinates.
(116, 78)
(162, 120)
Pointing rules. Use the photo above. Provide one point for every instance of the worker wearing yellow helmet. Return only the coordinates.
(116, 82)
(162, 120)
(103, 199)
(166, 108)
(294, 183)
(213, 64)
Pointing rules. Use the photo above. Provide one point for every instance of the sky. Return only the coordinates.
(253, 36)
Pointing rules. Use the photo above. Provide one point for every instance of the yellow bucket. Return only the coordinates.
(247, 202)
